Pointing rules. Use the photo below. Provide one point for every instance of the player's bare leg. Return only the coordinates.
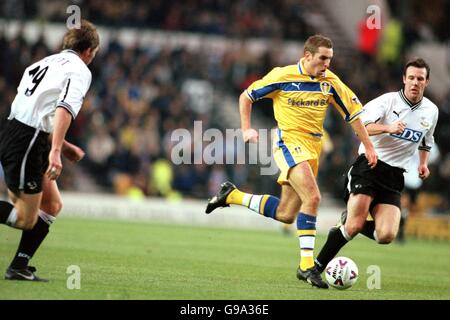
(289, 205)
(25, 212)
(357, 212)
(288, 208)
(51, 198)
(387, 221)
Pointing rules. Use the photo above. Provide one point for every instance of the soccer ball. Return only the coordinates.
(341, 273)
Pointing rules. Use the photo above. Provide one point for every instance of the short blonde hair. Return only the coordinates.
(82, 38)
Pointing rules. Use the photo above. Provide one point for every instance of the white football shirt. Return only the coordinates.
(59, 80)
(420, 118)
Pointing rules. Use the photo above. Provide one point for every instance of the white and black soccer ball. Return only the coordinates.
(341, 273)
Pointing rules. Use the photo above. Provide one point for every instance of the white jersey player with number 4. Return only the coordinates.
(61, 79)
(396, 149)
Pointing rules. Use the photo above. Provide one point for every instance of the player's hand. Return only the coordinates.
(54, 165)
(397, 127)
(371, 156)
(424, 172)
(72, 152)
(250, 135)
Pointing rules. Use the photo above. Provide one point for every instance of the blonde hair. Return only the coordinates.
(82, 38)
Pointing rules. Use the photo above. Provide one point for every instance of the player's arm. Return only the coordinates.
(425, 148)
(69, 104)
(424, 172)
(375, 117)
(72, 152)
(362, 134)
(245, 110)
(69, 150)
(396, 127)
(62, 122)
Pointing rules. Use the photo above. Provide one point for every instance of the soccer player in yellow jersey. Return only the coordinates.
(301, 94)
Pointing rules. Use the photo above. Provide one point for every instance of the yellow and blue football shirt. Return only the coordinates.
(300, 102)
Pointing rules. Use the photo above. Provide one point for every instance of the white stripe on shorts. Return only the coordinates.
(349, 180)
(24, 161)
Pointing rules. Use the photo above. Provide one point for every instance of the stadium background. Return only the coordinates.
(164, 64)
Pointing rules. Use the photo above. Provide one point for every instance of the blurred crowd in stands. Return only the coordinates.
(287, 19)
(140, 94)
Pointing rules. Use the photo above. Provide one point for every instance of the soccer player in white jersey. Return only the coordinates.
(398, 123)
(49, 97)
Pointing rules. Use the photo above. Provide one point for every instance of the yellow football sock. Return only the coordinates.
(236, 197)
(307, 239)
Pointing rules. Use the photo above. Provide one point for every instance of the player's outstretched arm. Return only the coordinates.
(362, 134)
(245, 110)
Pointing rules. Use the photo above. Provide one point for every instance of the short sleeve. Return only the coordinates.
(374, 110)
(428, 140)
(75, 88)
(345, 101)
(265, 87)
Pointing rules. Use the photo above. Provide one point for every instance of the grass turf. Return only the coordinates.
(137, 260)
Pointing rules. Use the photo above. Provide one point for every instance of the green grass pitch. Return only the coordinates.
(140, 260)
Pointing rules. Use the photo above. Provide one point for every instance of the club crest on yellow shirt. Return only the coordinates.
(325, 87)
